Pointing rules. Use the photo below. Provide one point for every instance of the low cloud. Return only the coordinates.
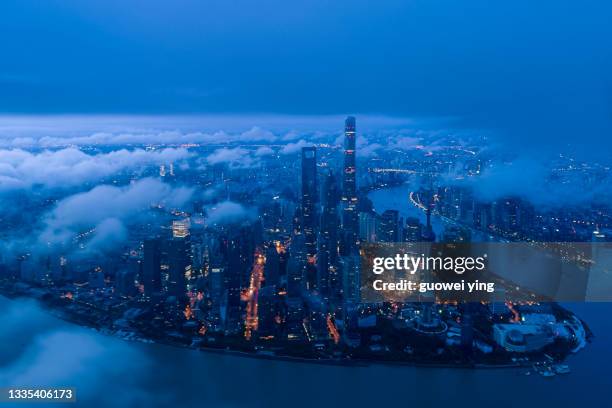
(264, 151)
(257, 134)
(234, 158)
(106, 209)
(369, 150)
(405, 143)
(228, 212)
(107, 234)
(50, 353)
(20, 169)
(535, 181)
(133, 137)
(292, 148)
(291, 135)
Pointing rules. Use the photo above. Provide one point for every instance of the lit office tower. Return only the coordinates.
(350, 220)
(151, 268)
(309, 199)
(180, 228)
(239, 253)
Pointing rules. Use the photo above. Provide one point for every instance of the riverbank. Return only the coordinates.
(158, 375)
(68, 317)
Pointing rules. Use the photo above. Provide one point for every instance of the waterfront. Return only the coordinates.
(46, 351)
(398, 198)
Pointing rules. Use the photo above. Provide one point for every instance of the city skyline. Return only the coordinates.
(228, 203)
(257, 245)
(327, 225)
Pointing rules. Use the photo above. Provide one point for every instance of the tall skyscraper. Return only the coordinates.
(328, 242)
(239, 253)
(179, 266)
(350, 220)
(272, 267)
(309, 199)
(151, 268)
(296, 266)
(351, 280)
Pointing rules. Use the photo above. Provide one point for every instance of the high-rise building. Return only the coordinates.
(350, 220)
(428, 233)
(180, 228)
(239, 256)
(413, 230)
(389, 223)
(328, 243)
(236, 267)
(368, 226)
(125, 283)
(296, 266)
(351, 279)
(483, 218)
(179, 266)
(272, 267)
(309, 199)
(151, 268)
(453, 233)
(506, 214)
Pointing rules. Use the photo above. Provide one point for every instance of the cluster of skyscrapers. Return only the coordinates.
(291, 272)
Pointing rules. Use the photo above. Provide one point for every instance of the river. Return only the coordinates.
(397, 198)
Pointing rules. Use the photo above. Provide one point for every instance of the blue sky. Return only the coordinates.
(534, 71)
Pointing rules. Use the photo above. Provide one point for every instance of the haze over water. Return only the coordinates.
(41, 350)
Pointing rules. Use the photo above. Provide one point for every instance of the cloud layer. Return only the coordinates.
(40, 351)
(65, 168)
(107, 210)
(228, 212)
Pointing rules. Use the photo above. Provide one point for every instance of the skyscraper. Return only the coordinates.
(328, 243)
(272, 266)
(125, 283)
(309, 199)
(413, 230)
(389, 226)
(351, 280)
(350, 220)
(239, 253)
(179, 266)
(151, 268)
(296, 266)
